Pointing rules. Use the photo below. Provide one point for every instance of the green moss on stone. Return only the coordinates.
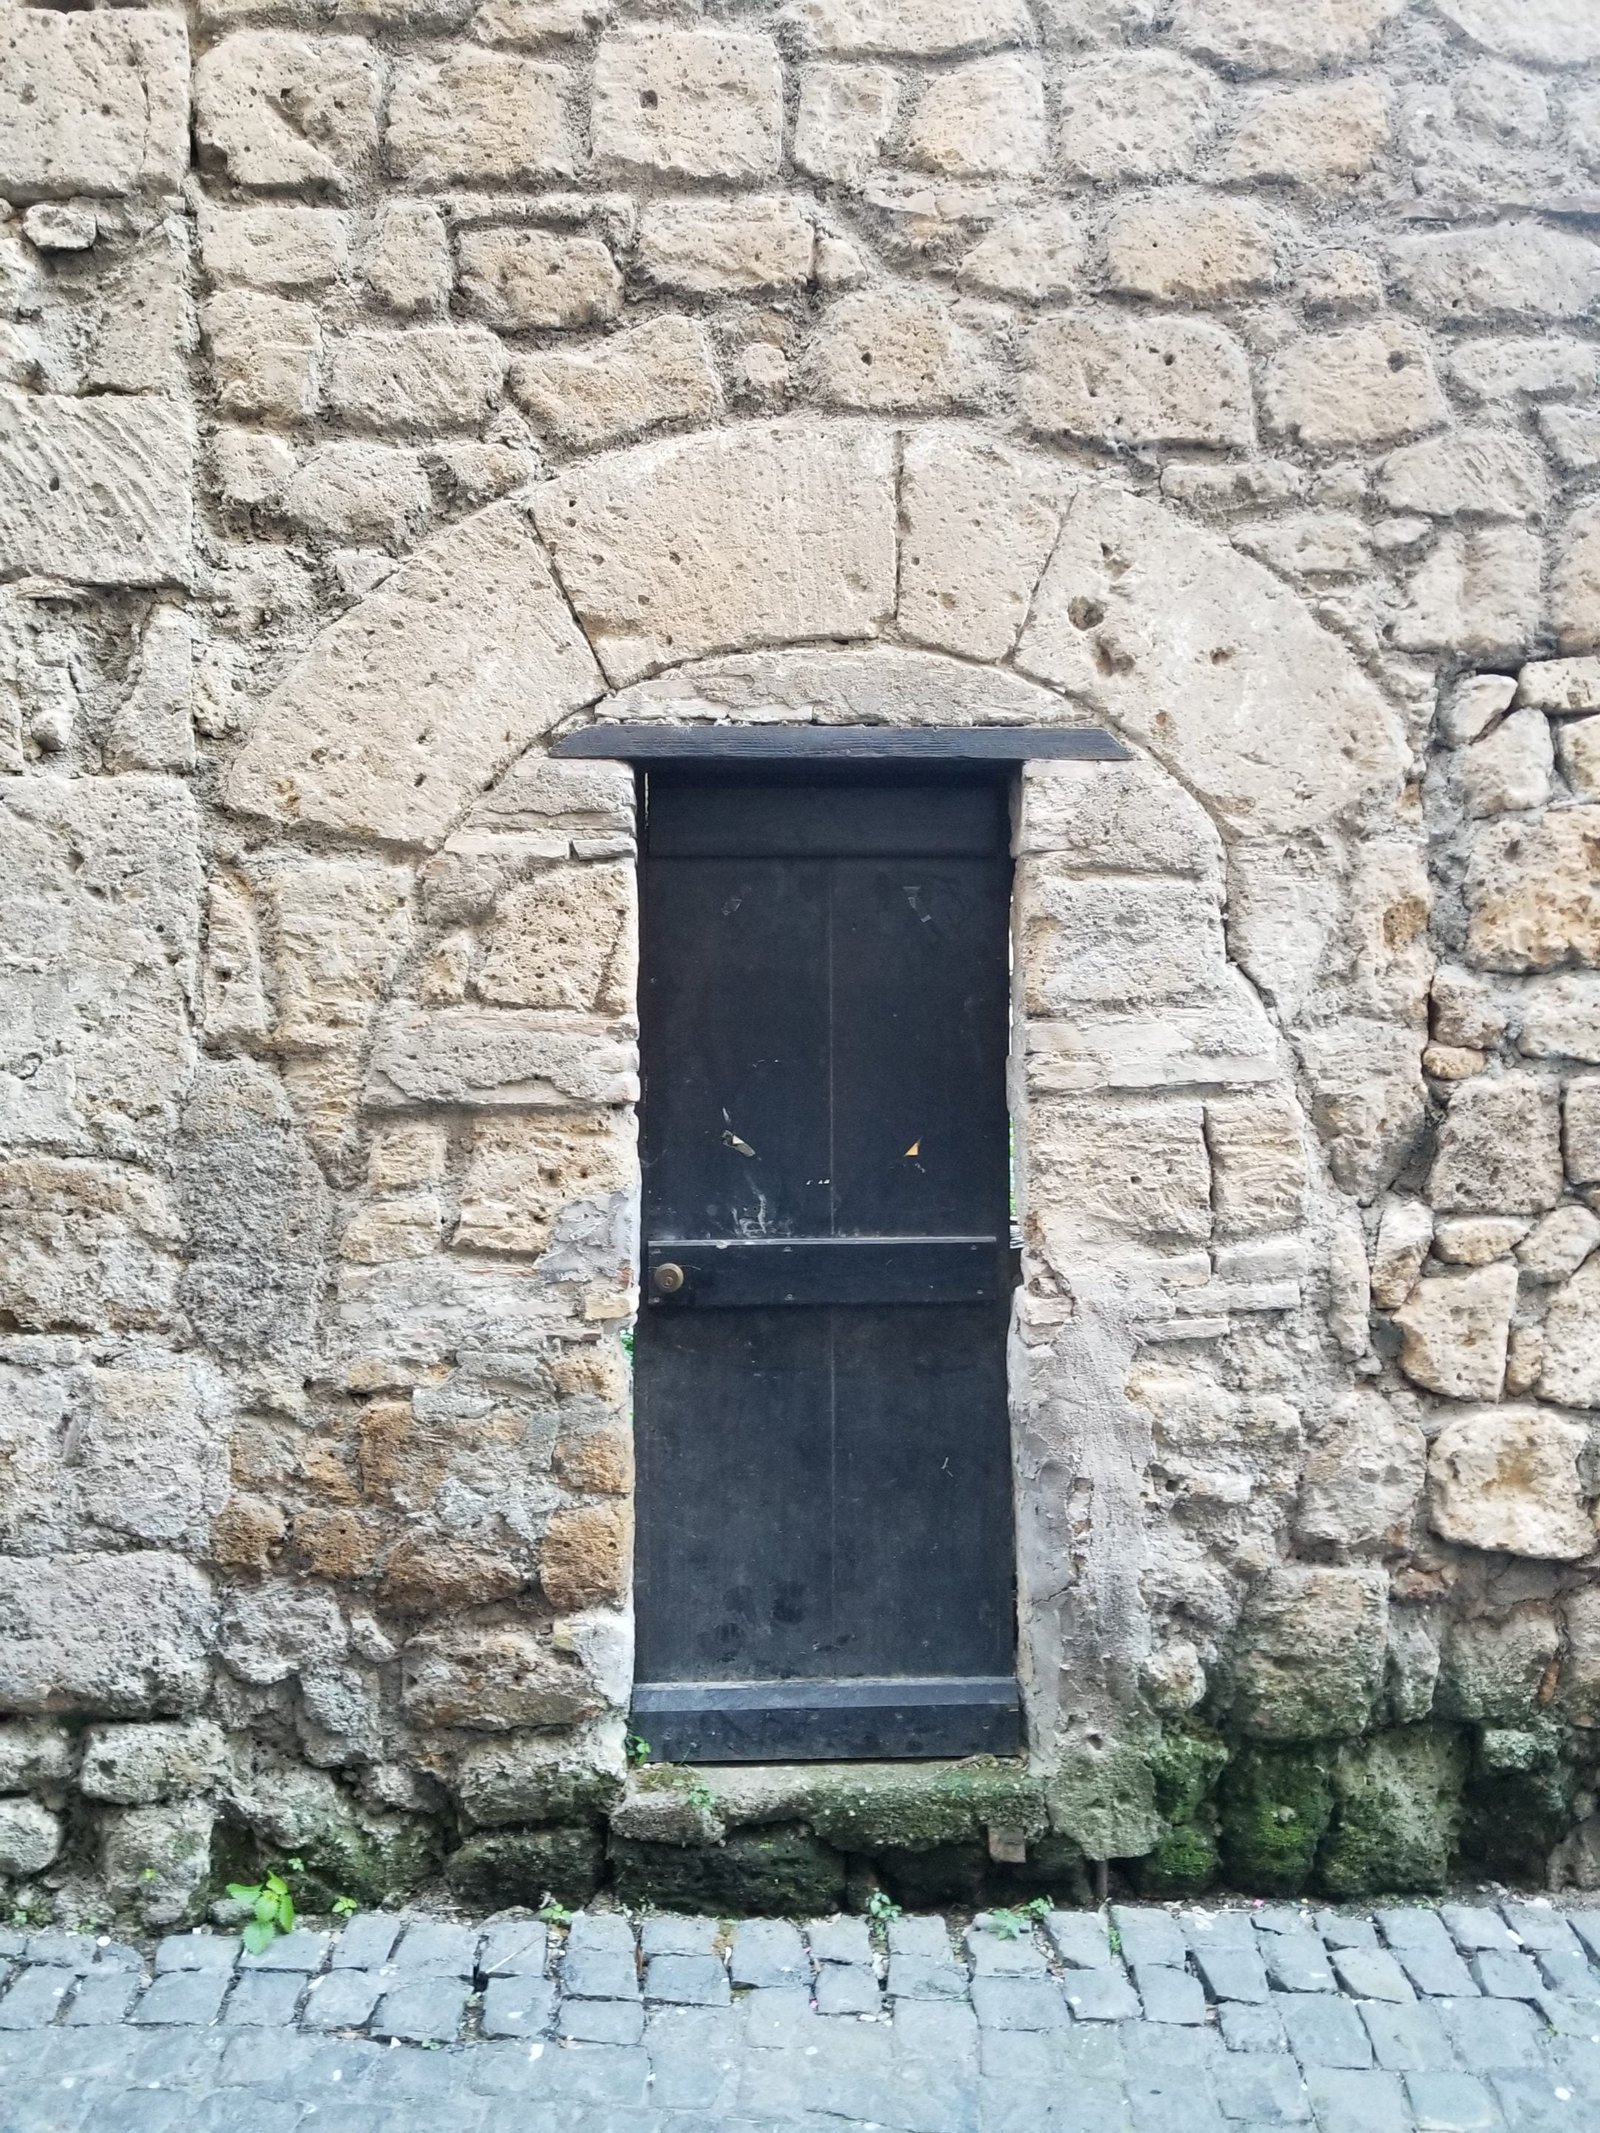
(1519, 1800)
(1274, 1807)
(784, 1870)
(370, 1860)
(1183, 1863)
(1184, 1769)
(523, 1866)
(1105, 1800)
(1398, 1808)
(914, 1810)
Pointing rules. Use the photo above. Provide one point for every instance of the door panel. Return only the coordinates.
(825, 1552)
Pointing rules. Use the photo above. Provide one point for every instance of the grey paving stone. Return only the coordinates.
(1507, 1977)
(1571, 2017)
(1080, 1938)
(993, 1955)
(1094, 2051)
(1408, 2039)
(1473, 1926)
(1438, 1973)
(1539, 1925)
(103, 1996)
(599, 1963)
(35, 1996)
(1530, 2102)
(694, 2053)
(1578, 2058)
(1032, 2107)
(367, 1941)
(1023, 2055)
(516, 1948)
(59, 1950)
(1217, 1929)
(846, 1940)
(1297, 1962)
(264, 1998)
(779, 2018)
(1371, 1974)
(1148, 1936)
(196, 1951)
(1231, 1973)
(1283, 1918)
(1346, 1929)
(1172, 2102)
(1169, 1995)
(128, 2110)
(435, 1947)
(1018, 2003)
(1568, 1970)
(850, 1988)
(929, 2031)
(1586, 1925)
(1409, 1925)
(1323, 2030)
(1100, 1995)
(1268, 2089)
(919, 1977)
(525, 2007)
(1347, 2101)
(423, 2010)
(1452, 2103)
(768, 1952)
(341, 1999)
(181, 1998)
(13, 1940)
(117, 1955)
(1492, 2036)
(301, 1950)
(687, 1980)
(668, 1933)
(263, 2056)
(1250, 2028)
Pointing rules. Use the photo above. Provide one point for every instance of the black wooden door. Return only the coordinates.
(825, 1544)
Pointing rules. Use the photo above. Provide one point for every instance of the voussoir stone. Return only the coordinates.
(442, 675)
(1507, 1479)
(92, 102)
(104, 1635)
(99, 490)
(964, 595)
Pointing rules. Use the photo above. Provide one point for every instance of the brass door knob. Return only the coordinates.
(669, 1278)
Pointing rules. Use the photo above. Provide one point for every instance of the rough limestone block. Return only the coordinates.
(1191, 247)
(492, 1680)
(921, 29)
(879, 350)
(1580, 1672)
(1121, 380)
(490, 1058)
(1472, 473)
(134, 1765)
(407, 265)
(110, 1636)
(30, 1837)
(660, 372)
(1118, 816)
(983, 120)
(1478, 593)
(1097, 1176)
(1135, 116)
(1454, 1330)
(1514, 270)
(979, 524)
(1575, 584)
(1499, 1147)
(1533, 892)
(1309, 1653)
(1363, 1475)
(1405, 1231)
(263, 354)
(1035, 258)
(99, 490)
(152, 1452)
(565, 939)
(286, 249)
(845, 114)
(366, 493)
(480, 118)
(1320, 137)
(1561, 1019)
(276, 109)
(92, 103)
(1363, 385)
(1509, 770)
(1497, 1670)
(1258, 1163)
(1572, 1341)
(1257, 37)
(758, 535)
(407, 707)
(518, 278)
(1117, 944)
(86, 1245)
(1547, 33)
(696, 103)
(418, 382)
(1581, 1137)
(1507, 1479)
(153, 728)
(524, 1173)
(708, 248)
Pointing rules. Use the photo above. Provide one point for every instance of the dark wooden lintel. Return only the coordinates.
(648, 743)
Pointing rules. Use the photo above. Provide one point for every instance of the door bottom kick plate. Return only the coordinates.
(829, 1721)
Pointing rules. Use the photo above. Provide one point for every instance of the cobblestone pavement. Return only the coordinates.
(1455, 2019)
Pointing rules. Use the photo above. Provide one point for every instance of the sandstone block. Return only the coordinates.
(634, 381)
(410, 1153)
(979, 525)
(1470, 473)
(480, 118)
(1035, 258)
(586, 1555)
(1098, 1176)
(406, 1228)
(1454, 1329)
(1474, 705)
(153, 728)
(921, 29)
(1362, 385)
(698, 103)
(366, 493)
(276, 109)
(445, 673)
(1258, 1163)
(1533, 892)
(1514, 270)
(521, 278)
(287, 249)
(136, 1764)
(844, 115)
(1575, 582)
(1580, 1671)
(92, 103)
(565, 939)
(523, 1173)
(492, 1679)
(1479, 594)
(483, 1059)
(1581, 1130)
(1363, 1476)
(86, 1245)
(1578, 745)
(30, 1837)
(983, 120)
(407, 265)
(880, 350)
(1476, 1240)
(1191, 247)
(1117, 816)
(1547, 33)
(1510, 769)
(1498, 369)
(1560, 1243)
(1126, 381)
(1266, 37)
(1562, 687)
(1405, 1231)
(35, 1754)
(1572, 1342)
(104, 1635)
(418, 382)
(98, 490)
(1324, 135)
(1561, 1019)
(1309, 1656)
(710, 248)
(422, 1576)
(1135, 115)
(759, 535)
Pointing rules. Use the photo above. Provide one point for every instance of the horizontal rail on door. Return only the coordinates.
(710, 1273)
(756, 745)
(827, 1720)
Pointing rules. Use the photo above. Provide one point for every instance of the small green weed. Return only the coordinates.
(881, 1908)
(344, 1907)
(636, 1748)
(553, 1913)
(271, 1904)
(1012, 1924)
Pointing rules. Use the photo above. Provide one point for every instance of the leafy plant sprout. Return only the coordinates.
(271, 1906)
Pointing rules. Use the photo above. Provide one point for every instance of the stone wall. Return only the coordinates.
(386, 389)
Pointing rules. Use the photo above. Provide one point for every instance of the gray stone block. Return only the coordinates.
(59, 1950)
(1081, 1939)
(846, 1940)
(434, 1947)
(1568, 1971)
(1172, 2103)
(341, 1999)
(1148, 1936)
(117, 1955)
(931, 2031)
(103, 1996)
(196, 1951)
(919, 1977)
(367, 1941)
(1502, 1976)
(1297, 1962)
(1100, 1995)
(1438, 1973)
(1539, 1926)
(1252, 2027)
(1570, 2017)
(600, 1962)
(667, 1934)
(264, 1999)
(302, 1950)
(1018, 2003)
(35, 1996)
(850, 1989)
(602, 2021)
(1474, 1926)
(993, 1955)
(1533, 2102)
(1265, 2088)
(779, 2017)
(1169, 1995)
(1323, 2030)
(1345, 1929)
(1371, 1974)
(1586, 1925)
(687, 1980)
(428, 2010)
(768, 1952)
(1452, 2103)
(1492, 2036)
(516, 1949)
(695, 2054)
(1232, 1973)
(183, 1998)
(1408, 2039)
(521, 2006)
(1348, 2101)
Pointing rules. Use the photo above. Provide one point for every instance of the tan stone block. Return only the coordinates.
(1326, 134)
(881, 349)
(1509, 769)
(276, 109)
(1469, 473)
(1269, 37)
(1477, 1240)
(1547, 33)
(844, 115)
(493, 1678)
(982, 120)
(1454, 1329)
(1135, 115)
(1097, 1176)
(1493, 368)
(150, 1449)
(428, 1576)
(1036, 258)
(92, 1246)
(98, 490)
(1342, 280)
(1499, 1147)
(250, 467)
(1533, 892)
(1579, 1694)
(520, 278)
(1121, 380)
(698, 103)
(407, 265)
(1581, 1130)
(1512, 270)
(535, 22)
(632, 382)
(1507, 1479)
(1117, 816)
(281, 248)
(1309, 544)
(417, 382)
(1571, 1371)
(1368, 1099)
(1575, 582)
(586, 1555)
(263, 353)
(1362, 385)
(247, 1533)
(342, 927)
(336, 1544)
(979, 524)
(1311, 1651)
(597, 1462)
(1363, 1474)
(1578, 745)
(406, 1228)
(92, 103)
(480, 118)
(1258, 1163)
(712, 247)
(764, 534)
(1405, 1231)
(1560, 1243)
(525, 1172)
(1117, 944)
(921, 29)
(1191, 247)
(1561, 1019)
(491, 1058)
(1479, 594)
(407, 1154)
(565, 939)
(360, 492)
